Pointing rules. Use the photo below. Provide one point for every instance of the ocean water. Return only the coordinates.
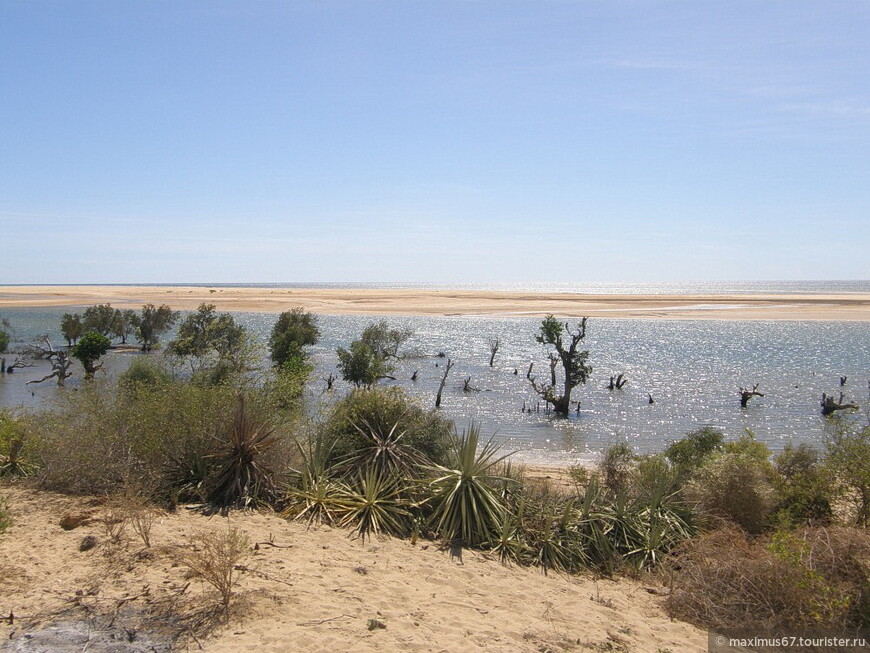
(692, 369)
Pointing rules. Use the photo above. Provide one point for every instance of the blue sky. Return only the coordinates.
(449, 141)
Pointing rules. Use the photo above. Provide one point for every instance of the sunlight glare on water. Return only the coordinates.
(692, 369)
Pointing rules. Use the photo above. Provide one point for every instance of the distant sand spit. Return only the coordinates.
(364, 301)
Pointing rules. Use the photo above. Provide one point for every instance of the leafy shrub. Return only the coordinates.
(747, 445)
(848, 457)
(811, 578)
(284, 389)
(144, 371)
(735, 487)
(615, 466)
(696, 448)
(804, 487)
(165, 439)
(351, 421)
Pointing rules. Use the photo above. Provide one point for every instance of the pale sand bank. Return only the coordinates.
(314, 591)
(336, 301)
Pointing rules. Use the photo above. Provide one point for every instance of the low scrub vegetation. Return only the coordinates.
(5, 519)
(809, 578)
(786, 544)
(174, 440)
(744, 538)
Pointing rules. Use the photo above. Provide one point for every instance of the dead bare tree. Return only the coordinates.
(41, 347)
(330, 380)
(830, 406)
(529, 371)
(746, 395)
(467, 387)
(18, 363)
(493, 350)
(443, 381)
(617, 382)
(60, 364)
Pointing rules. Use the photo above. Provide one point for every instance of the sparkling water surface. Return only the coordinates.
(692, 369)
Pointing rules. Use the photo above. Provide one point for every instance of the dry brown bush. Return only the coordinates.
(815, 577)
(735, 487)
(215, 558)
(138, 511)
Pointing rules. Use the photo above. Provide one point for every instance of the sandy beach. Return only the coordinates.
(334, 301)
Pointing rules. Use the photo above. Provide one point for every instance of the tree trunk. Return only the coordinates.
(443, 381)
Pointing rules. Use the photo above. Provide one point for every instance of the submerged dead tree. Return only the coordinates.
(18, 363)
(443, 381)
(830, 406)
(467, 387)
(60, 365)
(617, 382)
(574, 362)
(746, 395)
(494, 345)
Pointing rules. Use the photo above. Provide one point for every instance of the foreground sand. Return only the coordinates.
(313, 590)
(332, 301)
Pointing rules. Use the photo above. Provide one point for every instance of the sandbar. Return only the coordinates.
(367, 301)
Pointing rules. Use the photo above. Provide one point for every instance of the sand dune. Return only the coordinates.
(334, 301)
(315, 591)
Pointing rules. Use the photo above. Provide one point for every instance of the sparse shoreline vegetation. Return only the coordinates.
(202, 426)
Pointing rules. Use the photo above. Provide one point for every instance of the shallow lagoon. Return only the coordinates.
(691, 368)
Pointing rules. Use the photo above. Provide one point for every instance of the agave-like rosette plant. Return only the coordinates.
(553, 541)
(385, 451)
(242, 479)
(508, 542)
(659, 525)
(316, 496)
(375, 504)
(468, 508)
(13, 464)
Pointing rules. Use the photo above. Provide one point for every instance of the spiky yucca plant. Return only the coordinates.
(316, 495)
(385, 451)
(508, 542)
(13, 464)
(376, 504)
(242, 479)
(466, 499)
